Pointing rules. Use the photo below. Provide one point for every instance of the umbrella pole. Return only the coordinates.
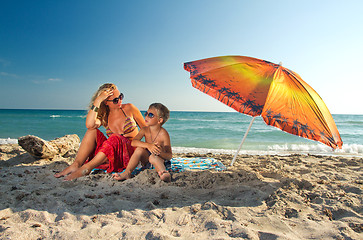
(243, 140)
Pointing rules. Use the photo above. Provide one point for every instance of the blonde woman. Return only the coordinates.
(120, 120)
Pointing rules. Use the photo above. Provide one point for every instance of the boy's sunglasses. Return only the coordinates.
(115, 100)
(150, 115)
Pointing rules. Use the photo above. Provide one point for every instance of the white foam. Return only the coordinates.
(223, 151)
(355, 150)
(351, 148)
(300, 148)
(65, 116)
(318, 149)
(8, 141)
(201, 150)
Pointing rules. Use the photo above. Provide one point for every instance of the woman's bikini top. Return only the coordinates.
(129, 126)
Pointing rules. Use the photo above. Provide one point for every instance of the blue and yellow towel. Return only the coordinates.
(180, 164)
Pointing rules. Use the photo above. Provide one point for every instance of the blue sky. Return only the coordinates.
(55, 54)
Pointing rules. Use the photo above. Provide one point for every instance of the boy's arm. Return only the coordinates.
(166, 153)
(136, 142)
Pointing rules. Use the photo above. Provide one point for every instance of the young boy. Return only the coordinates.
(156, 148)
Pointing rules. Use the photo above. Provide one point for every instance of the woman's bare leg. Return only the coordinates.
(86, 168)
(139, 155)
(159, 165)
(87, 146)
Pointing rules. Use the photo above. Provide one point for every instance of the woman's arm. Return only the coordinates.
(136, 114)
(92, 122)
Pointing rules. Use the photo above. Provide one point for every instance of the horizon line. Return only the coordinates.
(206, 111)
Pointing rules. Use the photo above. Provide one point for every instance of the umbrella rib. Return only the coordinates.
(243, 140)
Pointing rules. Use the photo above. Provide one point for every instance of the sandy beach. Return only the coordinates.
(260, 197)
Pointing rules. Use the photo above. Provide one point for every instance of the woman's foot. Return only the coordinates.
(165, 176)
(122, 176)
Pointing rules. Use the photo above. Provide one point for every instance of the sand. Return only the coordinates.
(260, 197)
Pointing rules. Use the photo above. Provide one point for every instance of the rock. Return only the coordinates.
(41, 148)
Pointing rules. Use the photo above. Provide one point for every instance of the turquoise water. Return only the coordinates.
(190, 131)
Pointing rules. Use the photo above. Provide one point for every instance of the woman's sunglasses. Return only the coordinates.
(149, 115)
(115, 100)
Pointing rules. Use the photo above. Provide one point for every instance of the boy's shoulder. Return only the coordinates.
(164, 131)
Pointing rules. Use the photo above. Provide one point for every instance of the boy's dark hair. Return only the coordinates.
(162, 111)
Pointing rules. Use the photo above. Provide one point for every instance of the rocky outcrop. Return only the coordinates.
(41, 148)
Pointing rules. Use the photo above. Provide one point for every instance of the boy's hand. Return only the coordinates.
(154, 149)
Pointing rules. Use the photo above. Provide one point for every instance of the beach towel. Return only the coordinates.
(180, 164)
(198, 163)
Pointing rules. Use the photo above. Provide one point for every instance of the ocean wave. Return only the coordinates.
(201, 120)
(65, 116)
(8, 141)
(224, 151)
(352, 123)
(201, 150)
(355, 150)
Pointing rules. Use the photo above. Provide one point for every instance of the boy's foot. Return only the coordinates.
(121, 176)
(165, 176)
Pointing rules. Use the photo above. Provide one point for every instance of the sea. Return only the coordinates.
(200, 132)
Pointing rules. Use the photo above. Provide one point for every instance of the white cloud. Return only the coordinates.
(4, 62)
(8, 74)
(49, 80)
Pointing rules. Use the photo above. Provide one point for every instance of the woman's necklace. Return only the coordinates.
(156, 136)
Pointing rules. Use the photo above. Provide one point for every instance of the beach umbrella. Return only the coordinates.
(260, 88)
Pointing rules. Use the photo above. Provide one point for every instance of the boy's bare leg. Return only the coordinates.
(87, 146)
(86, 168)
(139, 155)
(159, 165)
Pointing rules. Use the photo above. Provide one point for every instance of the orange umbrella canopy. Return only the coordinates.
(258, 87)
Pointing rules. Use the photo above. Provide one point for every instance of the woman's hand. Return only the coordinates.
(154, 149)
(103, 96)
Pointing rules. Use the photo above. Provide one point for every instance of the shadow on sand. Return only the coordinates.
(28, 184)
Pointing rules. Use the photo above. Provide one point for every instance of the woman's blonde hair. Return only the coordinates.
(103, 110)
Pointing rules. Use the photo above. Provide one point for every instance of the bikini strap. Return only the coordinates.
(123, 112)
